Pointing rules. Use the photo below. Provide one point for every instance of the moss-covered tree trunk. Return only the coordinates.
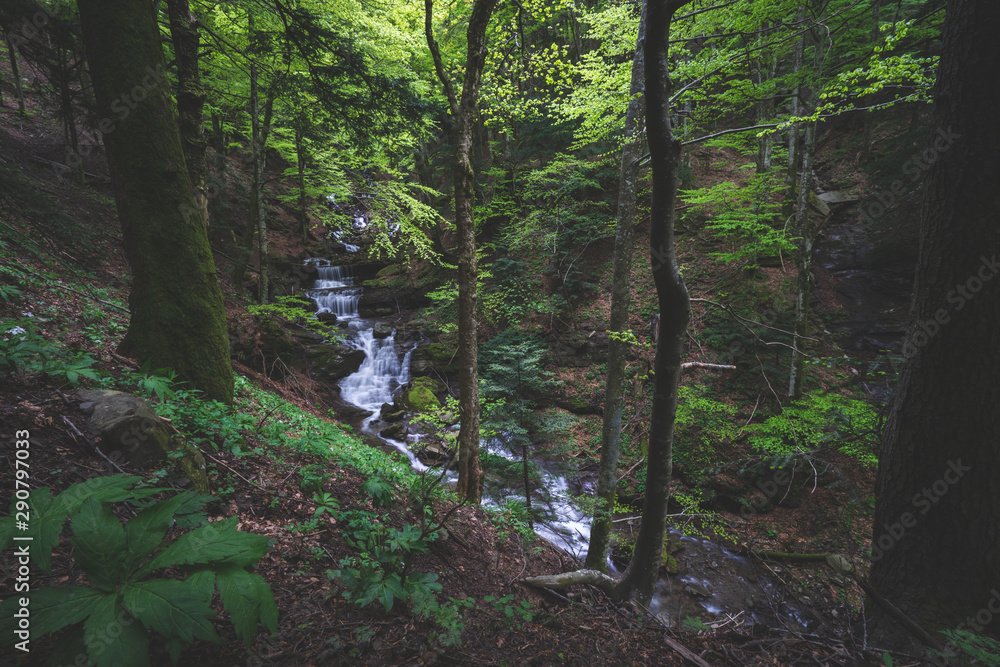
(178, 318)
(675, 308)
(470, 472)
(621, 291)
(190, 99)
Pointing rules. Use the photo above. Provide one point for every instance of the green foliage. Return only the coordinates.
(379, 491)
(25, 351)
(702, 425)
(821, 420)
(312, 477)
(118, 561)
(513, 614)
(981, 650)
(747, 218)
(295, 309)
(380, 571)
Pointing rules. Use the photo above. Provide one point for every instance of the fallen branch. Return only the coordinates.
(560, 582)
(894, 611)
(688, 365)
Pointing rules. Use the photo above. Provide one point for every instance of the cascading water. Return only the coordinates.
(385, 370)
(334, 291)
(382, 372)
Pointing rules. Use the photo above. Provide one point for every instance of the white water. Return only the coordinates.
(334, 291)
(384, 371)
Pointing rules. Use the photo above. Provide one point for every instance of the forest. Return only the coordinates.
(499, 332)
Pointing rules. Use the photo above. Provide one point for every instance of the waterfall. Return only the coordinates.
(335, 293)
(380, 374)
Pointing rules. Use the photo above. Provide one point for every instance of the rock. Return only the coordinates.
(434, 358)
(433, 454)
(382, 330)
(394, 432)
(326, 317)
(134, 435)
(354, 412)
(818, 204)
(391, 413)
(419, 395)
(335, 361)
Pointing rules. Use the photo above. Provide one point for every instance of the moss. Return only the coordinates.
(418, 396)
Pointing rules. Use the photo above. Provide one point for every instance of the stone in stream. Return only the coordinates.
(420, 394)
(397, 431)
(382, 330)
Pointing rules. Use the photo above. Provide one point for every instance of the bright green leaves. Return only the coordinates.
(114, 558)
(46, 516)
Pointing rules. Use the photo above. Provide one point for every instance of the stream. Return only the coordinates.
(713, 583)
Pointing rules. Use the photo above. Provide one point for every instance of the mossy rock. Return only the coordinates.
(134, 435)
(420, 394)
(434, 358)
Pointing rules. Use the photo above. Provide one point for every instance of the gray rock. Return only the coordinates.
(132, 434)
(382, 330)
(395, 431)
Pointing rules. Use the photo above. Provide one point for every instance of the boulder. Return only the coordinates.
(434, 358)
(382, 330)
(391, 413)
(134, 435)
(394, 432)
(335, 361)
(420, 394)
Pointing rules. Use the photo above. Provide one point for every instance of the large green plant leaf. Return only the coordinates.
(171, 608)
(217, 542)
(51, 609)
(113, 637)
(146, 531)
(47, 516)
(247, 598)
(100, 544)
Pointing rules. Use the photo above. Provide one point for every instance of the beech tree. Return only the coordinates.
(614, 395)
(470, 472)
(639, 578)
(177, 315)
(936, 552)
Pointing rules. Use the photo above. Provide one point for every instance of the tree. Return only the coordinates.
(614, 399)
(470, 472)
(178, 319)
(936, 550)
(639, 578)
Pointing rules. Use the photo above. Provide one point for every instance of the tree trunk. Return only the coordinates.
(178, 319)
(300, 158)
(675, 308)
(614, 400)
(806, 232)
(190, 99)
(936, 551)
(793, 130)
(16, 73)
(470, 472)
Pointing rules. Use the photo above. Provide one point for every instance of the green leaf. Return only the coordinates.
(217, 542)
(51, 609)
(172, 609)
(204, 582)
(113, 638)
(247, 598)
(100, 544)
(146, 531)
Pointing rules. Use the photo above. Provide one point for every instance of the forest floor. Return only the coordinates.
(69, 232)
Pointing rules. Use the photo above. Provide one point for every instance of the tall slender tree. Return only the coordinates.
(639, 578)
(470, 472)
(936, 543)
(621, 292)
(177, 315)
